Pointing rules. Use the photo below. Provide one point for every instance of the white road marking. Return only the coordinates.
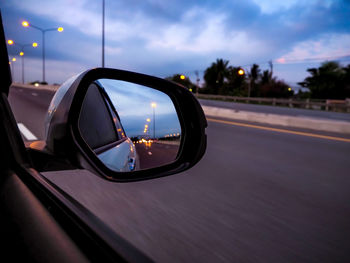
(35, 94)
(26, 133)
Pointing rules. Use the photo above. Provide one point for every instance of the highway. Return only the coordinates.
(258, 195)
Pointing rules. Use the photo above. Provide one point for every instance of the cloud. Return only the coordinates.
(166, 37)
(328, 47)
(211, 37)
(274, 6)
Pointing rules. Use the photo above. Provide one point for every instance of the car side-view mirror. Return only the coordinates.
(126, 126)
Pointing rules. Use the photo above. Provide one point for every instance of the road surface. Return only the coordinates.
(256, 196)
(155, 154)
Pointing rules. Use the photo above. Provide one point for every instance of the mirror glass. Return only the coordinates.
(129, 127)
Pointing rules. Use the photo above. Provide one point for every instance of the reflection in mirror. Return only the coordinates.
(129, 126)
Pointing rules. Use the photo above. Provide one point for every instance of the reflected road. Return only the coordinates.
(156, 153)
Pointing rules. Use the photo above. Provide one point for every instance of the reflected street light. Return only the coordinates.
(43, 31)
(154, 105)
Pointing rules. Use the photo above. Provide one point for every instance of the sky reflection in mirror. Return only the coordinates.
(133, 104)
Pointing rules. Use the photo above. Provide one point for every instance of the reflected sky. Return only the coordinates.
(133, 104)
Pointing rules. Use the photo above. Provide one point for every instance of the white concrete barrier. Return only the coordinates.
(282, 120)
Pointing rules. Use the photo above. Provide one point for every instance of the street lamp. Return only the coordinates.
(43, 31)
(154, 105)
(103, 33)
(21, 53)
(12, 67)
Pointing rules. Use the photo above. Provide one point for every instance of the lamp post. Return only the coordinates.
(43, 31)
(103, 33)
(21, 53)
(197, 81)
(154, 105)
(12, 67)
(148, 120)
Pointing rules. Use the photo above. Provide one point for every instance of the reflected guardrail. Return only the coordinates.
(327, 105)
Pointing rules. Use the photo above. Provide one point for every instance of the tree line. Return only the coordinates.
(329, 81)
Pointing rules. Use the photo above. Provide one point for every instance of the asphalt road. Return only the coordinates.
(256, 196)
(156, 154)
(29, 107)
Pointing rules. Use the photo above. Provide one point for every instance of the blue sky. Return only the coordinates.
(162, 38)
(134, 108)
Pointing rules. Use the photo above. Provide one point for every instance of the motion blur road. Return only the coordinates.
(156, 153)
(256, 196)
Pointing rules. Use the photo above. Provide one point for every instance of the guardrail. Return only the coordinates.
(46, 87)
(327, 105)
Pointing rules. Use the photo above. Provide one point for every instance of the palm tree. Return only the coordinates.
(215, 75)
(326, 82)
(253, 76)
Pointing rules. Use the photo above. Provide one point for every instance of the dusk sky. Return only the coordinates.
(133, 103)
(163, 38)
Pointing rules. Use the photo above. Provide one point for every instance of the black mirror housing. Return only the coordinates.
(64, 138)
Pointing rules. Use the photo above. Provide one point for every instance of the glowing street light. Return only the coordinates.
(25, 23)
(182, 77)
(21, 53)
(43, 31)
(11, 62)
(154, 105)
(240, 72)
